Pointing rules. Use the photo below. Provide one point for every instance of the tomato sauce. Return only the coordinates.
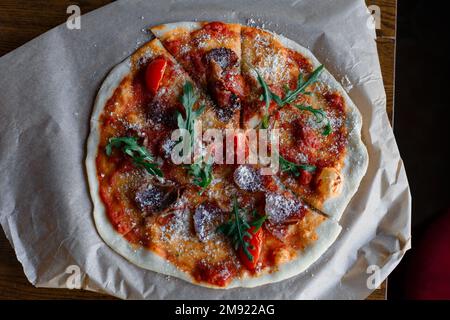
(302, 62)
(219, 274)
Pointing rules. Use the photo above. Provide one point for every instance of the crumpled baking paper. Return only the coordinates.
(47, 90)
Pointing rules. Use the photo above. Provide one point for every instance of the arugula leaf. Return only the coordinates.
(291, 95)
(202, 173)
(320, 116)
(188, 100)
(327, 129)
(140, 155)
(237, 229)
(258, 222)
(267, 96)
(293, 168)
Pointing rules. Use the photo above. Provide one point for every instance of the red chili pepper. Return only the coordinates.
(154, 74)
(254, 248)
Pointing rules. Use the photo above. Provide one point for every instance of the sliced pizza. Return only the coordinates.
(217, 224)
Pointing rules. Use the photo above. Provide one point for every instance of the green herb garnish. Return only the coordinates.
(201, 171)
(237, 228)
(291, 95)
(266, 96)
(293, 168)
(188, 99)
(257, 224)
(319, 115)
(140, 155)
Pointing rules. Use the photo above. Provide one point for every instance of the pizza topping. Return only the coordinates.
(320, 117)
(166, 147)
(289, 96)
(195, 59)
(335, 101)
(217, 28)
(255, 243)
(307, 135)
(305, 177)
(271, 183)
(224, 58)
(139, 154)
(202, 174)
(302, 62)
(188, 99)
(179, 221)
(237, 229)
(279, 231)
(283, 208)
(152, 198)
(295, 169)
(154, 74)
(329, 181)
(218, 274)
(207, 217)
(226, 101)
(202, 169)
(159, 113)
(267, 97)
(247, 178)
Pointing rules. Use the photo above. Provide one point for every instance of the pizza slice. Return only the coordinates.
(284, 233)
(211, 54)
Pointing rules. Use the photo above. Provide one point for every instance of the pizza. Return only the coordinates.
(173, 132)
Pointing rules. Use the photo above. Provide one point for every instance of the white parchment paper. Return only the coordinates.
(47, 90)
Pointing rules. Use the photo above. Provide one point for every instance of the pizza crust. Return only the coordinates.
(354, 169)
(166, 30)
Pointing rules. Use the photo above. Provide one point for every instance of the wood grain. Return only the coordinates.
(386, 44)
(21, 21)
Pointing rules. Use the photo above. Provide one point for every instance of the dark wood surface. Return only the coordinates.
(21, 21)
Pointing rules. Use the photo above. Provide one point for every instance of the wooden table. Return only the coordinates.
(21, 21)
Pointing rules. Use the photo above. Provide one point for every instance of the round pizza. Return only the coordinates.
(175, 155)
